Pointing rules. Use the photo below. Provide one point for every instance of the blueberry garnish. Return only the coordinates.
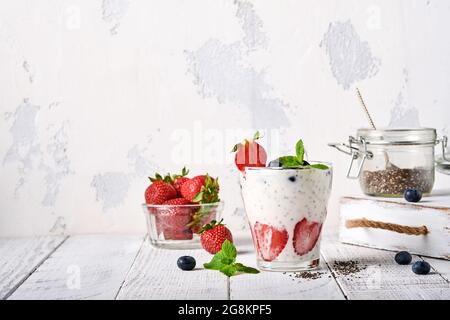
(292, 178)
(421, 267)
(186, 263)
(403, 257)
(412, 195)
(275, 163)
(305, 163)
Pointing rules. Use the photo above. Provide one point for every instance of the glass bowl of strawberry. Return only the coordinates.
(176, 208)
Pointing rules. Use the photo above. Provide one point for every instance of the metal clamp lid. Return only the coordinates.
(355, 153)
(444, 143)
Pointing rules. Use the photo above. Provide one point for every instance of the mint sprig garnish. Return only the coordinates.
(297, 161)
(225, 261)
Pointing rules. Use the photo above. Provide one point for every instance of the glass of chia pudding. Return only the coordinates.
(286, 209)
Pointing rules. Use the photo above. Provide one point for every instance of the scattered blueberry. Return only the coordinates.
(305, 163)
(186, 263)
(292, 178)
(275, 163)
(412, 195)
(421, 267)
(403, 257)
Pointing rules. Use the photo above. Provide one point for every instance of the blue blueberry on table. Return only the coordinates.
(421, 267)
(275, 163)
(403, 257)
(412, 195)
(306, 163)
(186, 263)
(292, 178)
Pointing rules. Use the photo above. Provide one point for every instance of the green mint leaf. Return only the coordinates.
(226, 256)
(229, 250)
(244, 269)
(300, 151)
(216, 262)
(228, 270)
(227, 261)
(319, 166)
(256, 136)
(289, 161)
(224, 261)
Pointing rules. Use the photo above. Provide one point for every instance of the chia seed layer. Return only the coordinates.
(394, 181)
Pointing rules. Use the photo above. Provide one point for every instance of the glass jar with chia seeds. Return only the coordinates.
(388, 161)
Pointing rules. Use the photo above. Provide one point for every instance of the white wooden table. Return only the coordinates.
(127, 267)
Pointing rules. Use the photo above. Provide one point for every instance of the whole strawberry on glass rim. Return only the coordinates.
(177, 205)
(249, 153)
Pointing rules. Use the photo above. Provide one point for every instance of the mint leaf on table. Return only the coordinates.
(241, 268)
(229, 250)
(228, 270)
(225, 261)
(216, 262)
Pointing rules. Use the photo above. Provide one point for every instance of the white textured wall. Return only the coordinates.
(96, 95)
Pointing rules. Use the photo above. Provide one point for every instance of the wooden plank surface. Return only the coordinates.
(125, 267)
(281, 285)
(19, 257)
(84, 267)
(440, 266)
(155, 275)
(379, 276)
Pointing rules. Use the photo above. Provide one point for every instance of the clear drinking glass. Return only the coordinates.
(286, 209)
(175, 226)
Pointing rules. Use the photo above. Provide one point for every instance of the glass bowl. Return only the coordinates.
(175, 226)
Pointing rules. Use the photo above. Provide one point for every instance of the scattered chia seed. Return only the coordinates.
(307, 275)
(394, 181)
(347, 267)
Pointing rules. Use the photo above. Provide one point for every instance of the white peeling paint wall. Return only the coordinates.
(97, 95)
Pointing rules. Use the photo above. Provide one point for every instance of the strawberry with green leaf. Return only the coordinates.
(201, 189)
(159, 191)
(212, 236)
(249, 153)
(180, 179)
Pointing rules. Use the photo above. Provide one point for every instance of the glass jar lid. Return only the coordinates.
(416, 136)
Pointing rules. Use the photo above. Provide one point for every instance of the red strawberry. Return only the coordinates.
(306, 235)
(192, 187)
(173, 221)
(159, 191)
(204, 216)
(213, 235)
(249, 154)
(270, 240)
(201, 189)
(178, 182)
